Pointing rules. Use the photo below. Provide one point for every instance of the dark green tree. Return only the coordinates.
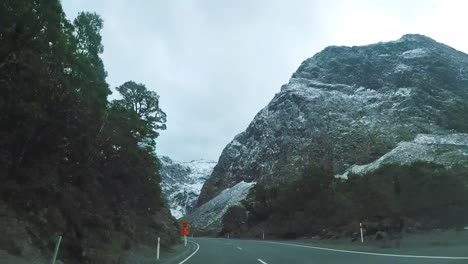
(143, 111)
(234, 220)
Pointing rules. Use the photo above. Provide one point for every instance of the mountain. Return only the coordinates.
(350, 106)
(181, 182)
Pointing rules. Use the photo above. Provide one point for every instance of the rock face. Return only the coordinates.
(181, 183)
(348, 106)
(209, 216)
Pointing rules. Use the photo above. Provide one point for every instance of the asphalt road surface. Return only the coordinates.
(220, 250)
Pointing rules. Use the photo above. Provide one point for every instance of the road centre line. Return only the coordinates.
(261, 261)
(368, 253)
(239, 248)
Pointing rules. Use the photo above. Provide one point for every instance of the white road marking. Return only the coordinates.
(261, 261)
(239, 248)
(368, 253)
(191, 255)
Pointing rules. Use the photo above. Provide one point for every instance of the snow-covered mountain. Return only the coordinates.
(181, 183)
(350, 106)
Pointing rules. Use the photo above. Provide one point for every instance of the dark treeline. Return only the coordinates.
(71, 162)
(392, 199)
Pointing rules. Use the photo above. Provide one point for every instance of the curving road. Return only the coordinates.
(220, 251)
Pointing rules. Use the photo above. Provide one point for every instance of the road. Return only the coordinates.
(220, 251)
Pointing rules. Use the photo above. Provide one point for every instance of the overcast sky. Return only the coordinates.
(216, 63)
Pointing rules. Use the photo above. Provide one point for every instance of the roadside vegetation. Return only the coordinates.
(390, 201)
(72, 162)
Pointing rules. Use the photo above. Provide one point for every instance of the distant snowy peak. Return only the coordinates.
(181, 182)
(200, 168)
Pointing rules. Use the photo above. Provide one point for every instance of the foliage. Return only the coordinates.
(424, 193)
(65, 151)
(421, 191)
(146, 117)
(235, 219)
(308, 203)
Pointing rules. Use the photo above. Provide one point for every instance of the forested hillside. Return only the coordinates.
(71, 162)
(392, 199)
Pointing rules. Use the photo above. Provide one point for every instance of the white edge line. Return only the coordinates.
(368, 253)
(261, 261)
(191, 255)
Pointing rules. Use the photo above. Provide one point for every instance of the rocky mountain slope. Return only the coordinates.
(210, 214)
(181, 183)
(349, 106)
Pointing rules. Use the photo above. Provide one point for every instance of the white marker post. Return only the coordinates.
(362, 235)
(263, 235)
(185, 240)
(228, 235)
(57, 247)
(157, 248)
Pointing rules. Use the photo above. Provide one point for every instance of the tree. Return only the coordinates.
(87, 28)
(234, 220)
(144, 111)
(88, 73)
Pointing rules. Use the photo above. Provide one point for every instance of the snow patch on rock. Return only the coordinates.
(210, 214)
(404, 92)
(402, 68)
(453, 139)
(445, 150)
(414, 53)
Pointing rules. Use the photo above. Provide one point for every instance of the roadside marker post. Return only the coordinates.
(157, 248)
(362, 235)
(57, 247)
(263, 235)
(228, 235)
(185, 232)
